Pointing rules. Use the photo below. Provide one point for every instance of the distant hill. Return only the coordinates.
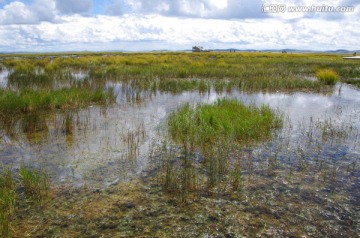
(339, 51)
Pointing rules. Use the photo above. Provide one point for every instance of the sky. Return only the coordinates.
(145, 25)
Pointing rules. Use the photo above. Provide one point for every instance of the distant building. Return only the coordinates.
(197, 49)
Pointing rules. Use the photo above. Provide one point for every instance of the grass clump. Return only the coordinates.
(211, 138)
(8, 199)
(35, 184)
(226, 119)
(327, 76)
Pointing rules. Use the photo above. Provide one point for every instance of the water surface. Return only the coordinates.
(107, 144)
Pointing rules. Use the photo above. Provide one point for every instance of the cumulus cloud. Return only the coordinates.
(314, 14)
(350, 2)
(353, 3)
(36, 11)
(243, 9)
(73, 6)
(221, 9)
(44, 10)
(116, 7)
(19, 13)
(199, 8)
(110, 32)
(48, 25)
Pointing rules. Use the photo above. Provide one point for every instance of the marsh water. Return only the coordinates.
(108, 144)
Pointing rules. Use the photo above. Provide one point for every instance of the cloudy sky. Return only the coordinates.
(138, 25)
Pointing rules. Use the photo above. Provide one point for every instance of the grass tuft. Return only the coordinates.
(8, 199)
(218, 131)
(35, 184)
(327, 76)
(227, 119)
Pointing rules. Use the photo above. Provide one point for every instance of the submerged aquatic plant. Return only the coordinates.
(133, 139)
(68, 125)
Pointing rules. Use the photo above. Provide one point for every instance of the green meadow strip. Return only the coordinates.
(27, 101)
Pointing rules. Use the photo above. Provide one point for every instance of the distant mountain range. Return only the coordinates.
(339, 51)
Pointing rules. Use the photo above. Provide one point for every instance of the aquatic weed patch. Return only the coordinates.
(211, 138)
(226, 119)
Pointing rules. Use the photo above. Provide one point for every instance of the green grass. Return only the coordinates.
(218, 131)
(8, 201)
(35, 183)
(327, 76)
(28, 100)
(227, 119)
(41, 82)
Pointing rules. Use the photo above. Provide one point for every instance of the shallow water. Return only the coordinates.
(4, 74)
(66, 79)
(110, 144)
(79, 75)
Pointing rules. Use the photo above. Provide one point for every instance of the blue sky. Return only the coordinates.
(140, 25)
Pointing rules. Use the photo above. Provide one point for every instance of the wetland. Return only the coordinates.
(179, 145)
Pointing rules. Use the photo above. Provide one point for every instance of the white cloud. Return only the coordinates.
(229, 9)
(331, 16)
(117, 7)
(222, 9)
(44, 10)
(110, 32)
(18, 13)
(241, 9)
(73, 6)
(173, 24)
